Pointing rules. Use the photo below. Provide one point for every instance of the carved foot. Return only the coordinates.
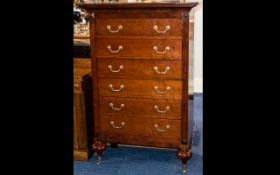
(184, 153)
(99, 148)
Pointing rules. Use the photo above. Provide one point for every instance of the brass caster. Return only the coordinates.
(184, 169)
(98, 161)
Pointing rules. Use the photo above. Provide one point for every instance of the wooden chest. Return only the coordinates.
(140, 58)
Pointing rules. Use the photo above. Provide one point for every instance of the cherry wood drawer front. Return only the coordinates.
(141, 107)
(161, 89)
(166, 128)
(139, 68)
(139, 27)
(120, 124)
(126, 125)
(139, 48)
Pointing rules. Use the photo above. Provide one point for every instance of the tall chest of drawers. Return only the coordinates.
(140, 58)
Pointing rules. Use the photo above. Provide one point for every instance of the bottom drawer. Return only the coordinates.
(132, 125)
(162, 142)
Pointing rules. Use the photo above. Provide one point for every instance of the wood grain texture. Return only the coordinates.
(141, 107)
(185, 76)
(80, 128)
(143, 48)
(139, 126)
(81, 132)
(81, 66)
(95, 108)
(140, 88)
(133, 13)
(139, 68)
(139, 27)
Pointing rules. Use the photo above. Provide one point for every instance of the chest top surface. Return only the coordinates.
(106, 4)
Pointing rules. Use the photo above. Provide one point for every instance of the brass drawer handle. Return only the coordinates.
(116, 90)
(120, 27)
(117, 127)
(162, 73)
(114, 51)
(155, 48)
(163, 31)
(110, 67)
(166, 109)
(114, 108)
(162, 130)
(156, 88)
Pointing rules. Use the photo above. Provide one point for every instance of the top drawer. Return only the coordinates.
(138, 27)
